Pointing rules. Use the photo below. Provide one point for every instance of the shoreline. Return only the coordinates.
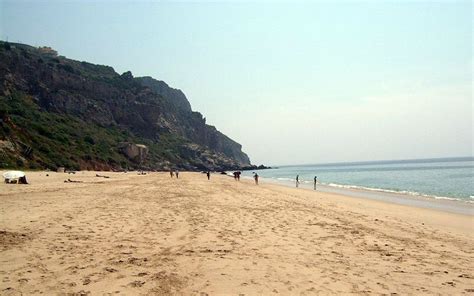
(450, 205)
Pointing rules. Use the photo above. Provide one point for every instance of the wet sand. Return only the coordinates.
(444, 204)
(151, 234)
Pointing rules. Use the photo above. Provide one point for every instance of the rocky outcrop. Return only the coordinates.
(110, 107)
(136, 152)
(174, 96)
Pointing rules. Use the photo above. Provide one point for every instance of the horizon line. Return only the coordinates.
(362, 162)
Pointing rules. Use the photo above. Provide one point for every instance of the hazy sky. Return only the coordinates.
(309, 82)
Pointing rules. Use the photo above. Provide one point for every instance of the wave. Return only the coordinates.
(405, 192)
(285, 179)
(373, 189)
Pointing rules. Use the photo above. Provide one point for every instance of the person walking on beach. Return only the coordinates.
(315, 179)
(297, 180)
(237, 176)
(208, 175)
(177, 174)
(171, 173)
(256, 178)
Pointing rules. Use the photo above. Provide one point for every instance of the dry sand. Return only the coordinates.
(132, 234)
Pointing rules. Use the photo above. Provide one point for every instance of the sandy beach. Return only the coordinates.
(131, 234)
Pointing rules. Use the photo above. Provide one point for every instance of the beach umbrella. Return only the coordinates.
(13, 175)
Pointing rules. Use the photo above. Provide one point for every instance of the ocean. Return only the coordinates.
(441, 178)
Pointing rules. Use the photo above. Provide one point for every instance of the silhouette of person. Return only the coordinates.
(171, 173)
(297, 180)
(177, 174)
(237, 175)
(256, 178)
(315, 179)
(208, 175)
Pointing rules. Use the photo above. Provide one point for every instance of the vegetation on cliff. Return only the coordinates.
(56, 112)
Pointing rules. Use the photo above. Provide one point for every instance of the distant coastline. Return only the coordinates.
(255, 168)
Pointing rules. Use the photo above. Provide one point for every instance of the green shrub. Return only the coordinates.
(89, 139)
(20, 163)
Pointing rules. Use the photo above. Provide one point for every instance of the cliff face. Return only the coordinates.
(62, 105)
(175, 96)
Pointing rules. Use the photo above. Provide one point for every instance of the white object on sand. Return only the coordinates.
(12, 175)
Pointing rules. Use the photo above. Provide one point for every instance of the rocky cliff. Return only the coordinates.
(56, 111)
(175, 96)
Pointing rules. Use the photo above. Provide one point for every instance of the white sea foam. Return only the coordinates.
(403, 192)
(285, 179)
(434, 179)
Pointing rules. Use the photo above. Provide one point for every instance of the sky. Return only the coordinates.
(293, 82)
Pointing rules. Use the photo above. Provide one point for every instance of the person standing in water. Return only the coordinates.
(297, 180)
(256, 178)
(208, 175)
(315, 180)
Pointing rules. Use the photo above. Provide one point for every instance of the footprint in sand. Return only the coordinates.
(136, 284)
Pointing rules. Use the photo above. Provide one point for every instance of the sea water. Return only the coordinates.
(442, 178)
